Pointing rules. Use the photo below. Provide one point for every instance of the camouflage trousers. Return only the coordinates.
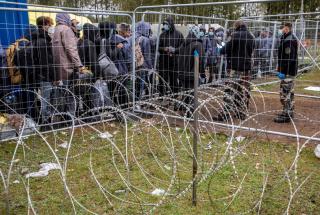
(287, 95)
(237, 93)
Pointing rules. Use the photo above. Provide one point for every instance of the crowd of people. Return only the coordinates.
(95, 63)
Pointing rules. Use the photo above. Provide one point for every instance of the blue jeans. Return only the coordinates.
(63, 101)
(46, 89)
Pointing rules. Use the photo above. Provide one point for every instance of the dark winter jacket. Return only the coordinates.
(288, 55)
(42, 51)
(87, 48)
(239, 50)
(173, 38)
(186, 58)
(35, 60)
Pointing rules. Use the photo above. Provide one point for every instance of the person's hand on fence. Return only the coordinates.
(57, 83)
(85, 70)
(171, 49)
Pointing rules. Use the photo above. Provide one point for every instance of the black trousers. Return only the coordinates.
(188, 93)
(119, 92)
(168, 81)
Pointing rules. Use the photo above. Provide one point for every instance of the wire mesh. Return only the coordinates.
(95, 82)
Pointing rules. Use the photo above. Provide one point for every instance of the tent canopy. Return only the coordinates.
(12, 23)
(34, 15)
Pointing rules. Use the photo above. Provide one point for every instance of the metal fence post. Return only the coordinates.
(154, 83)
(133, 60)
(273, 46)
(195, 129)
(303, 31)
(222, 57)
(316, 40)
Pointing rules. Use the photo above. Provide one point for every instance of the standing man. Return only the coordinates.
(287, 70)
(43, 62)
(66, 60)
(212, 61)
(239, 53)
(124, 30)
(192, 46)
(170, 39)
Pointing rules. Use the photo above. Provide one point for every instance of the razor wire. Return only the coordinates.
(129, 157)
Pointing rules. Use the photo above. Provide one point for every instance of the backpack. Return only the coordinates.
(108, 69)
(14, 73)
(138, 54)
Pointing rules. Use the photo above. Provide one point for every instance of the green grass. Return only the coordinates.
(256, 161)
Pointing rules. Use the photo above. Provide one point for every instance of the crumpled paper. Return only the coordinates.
(44, 170)
(105, 135)
(158, 192)
(64, 145)
(313, 88)
(317, 151)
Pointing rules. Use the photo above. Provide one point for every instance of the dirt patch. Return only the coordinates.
(263, 110)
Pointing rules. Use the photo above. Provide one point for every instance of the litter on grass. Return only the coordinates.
(158, 192)
(167, 167)
(240, 139)
(119, 191)
(44, 170)
(317, 151)
(64, 145)
(208, 146)
(317, 89)
(105, 135)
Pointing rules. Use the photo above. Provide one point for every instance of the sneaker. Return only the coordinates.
(178, 107)
(241, 116)
(285, 118)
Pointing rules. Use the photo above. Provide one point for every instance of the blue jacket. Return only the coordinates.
(212, 50)
(143, 30)
(263, 46)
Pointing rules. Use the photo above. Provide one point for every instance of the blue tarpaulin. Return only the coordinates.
(12, 23)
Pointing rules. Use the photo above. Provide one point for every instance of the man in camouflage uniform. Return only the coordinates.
(287, 70)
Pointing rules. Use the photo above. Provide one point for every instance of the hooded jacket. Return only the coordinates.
(64, 48)
(143, 30)
(119, 56)
(263, 46)
(239, 50)
(288, 55)
(173, 38)
(186, 58)
(87, 48)
(212, 52)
